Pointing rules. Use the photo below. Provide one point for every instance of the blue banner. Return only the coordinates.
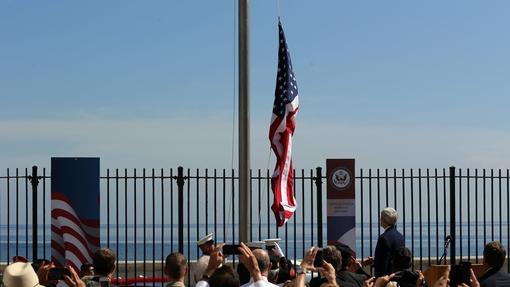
(74, 210)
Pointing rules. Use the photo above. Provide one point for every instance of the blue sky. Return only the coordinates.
(393, 84)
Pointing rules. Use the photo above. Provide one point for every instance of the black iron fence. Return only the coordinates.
(146, 214)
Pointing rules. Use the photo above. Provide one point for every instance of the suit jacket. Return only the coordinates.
(355, 278)
(387, 244)
(494, 278)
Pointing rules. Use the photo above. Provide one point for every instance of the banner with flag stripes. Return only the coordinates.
(74, 210)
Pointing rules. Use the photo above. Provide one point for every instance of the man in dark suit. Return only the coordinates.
(387, 243)
(493, 259)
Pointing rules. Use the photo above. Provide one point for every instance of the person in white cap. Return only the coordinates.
(20, 274)
(275, 253)
(206, 244)
(242, 271)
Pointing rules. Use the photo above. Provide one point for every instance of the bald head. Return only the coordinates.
(262, 260)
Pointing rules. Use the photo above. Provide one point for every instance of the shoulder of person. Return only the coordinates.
(202, 283)
(204, 258)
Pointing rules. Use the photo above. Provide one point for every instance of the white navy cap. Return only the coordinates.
(205, 239)
(273, 243)
(256, 244)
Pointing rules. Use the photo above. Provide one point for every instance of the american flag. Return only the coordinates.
(285, 107)
(74, 211)
(74, 241)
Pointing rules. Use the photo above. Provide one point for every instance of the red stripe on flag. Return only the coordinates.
(77, 236)
(76, 251)
(93, 223)
(59, 248)
(56, 213)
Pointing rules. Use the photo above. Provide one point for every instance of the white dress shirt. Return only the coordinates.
(261, 283)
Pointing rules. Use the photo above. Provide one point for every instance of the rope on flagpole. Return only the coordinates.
(233, 112)
(269, 156)
(234, 91)
(279, 13)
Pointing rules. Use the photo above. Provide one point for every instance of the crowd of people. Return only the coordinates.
(263, 264)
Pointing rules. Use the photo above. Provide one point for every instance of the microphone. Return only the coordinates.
(448, 239)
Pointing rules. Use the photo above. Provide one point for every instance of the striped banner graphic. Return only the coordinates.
(74, 210)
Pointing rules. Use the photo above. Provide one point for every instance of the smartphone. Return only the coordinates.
(58, 273)
(231, 249)
(317, 262)
(460, 273)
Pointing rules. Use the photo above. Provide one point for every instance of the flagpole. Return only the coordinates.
(244, 123)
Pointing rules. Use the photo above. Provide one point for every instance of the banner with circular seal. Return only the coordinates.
(341, 219)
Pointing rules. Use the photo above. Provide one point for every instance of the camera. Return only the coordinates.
(317, 262)
(58, 273)
(231, 249)
(460, 273)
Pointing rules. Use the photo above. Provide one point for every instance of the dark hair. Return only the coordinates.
(285, 272)
(494, 254)
(346, 253)
(224, 276)
(38, 263)
(85, 267)
(331, 255)
(175, 265)
(402, 259)
(104, 261)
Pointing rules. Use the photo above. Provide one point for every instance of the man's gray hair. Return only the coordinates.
(389, 215)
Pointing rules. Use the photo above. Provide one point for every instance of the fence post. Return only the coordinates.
(34, 179)
(180, 188)
(318, 184)
(452, 215)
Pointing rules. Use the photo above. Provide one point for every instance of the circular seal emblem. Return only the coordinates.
(341, 178)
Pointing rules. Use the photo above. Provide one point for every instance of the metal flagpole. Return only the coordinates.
(244, 122)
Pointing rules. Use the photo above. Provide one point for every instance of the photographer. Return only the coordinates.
(327, 270)
(226, 276)
(104, 265)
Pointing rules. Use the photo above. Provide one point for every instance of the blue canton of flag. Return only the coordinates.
(282, 127)
(286, 86)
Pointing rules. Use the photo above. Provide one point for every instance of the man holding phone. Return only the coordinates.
(242, 271)
(332, 256)
(104, 266)
(275, 253)
(264, 265)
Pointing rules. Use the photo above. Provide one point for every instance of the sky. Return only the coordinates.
(392, 84)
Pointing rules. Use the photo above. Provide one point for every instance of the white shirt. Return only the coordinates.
(199, 267)
(261, 283)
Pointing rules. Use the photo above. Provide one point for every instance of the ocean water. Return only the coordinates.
(160, 241)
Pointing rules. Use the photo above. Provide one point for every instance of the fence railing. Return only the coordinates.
(469, 205)
(148, 213)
